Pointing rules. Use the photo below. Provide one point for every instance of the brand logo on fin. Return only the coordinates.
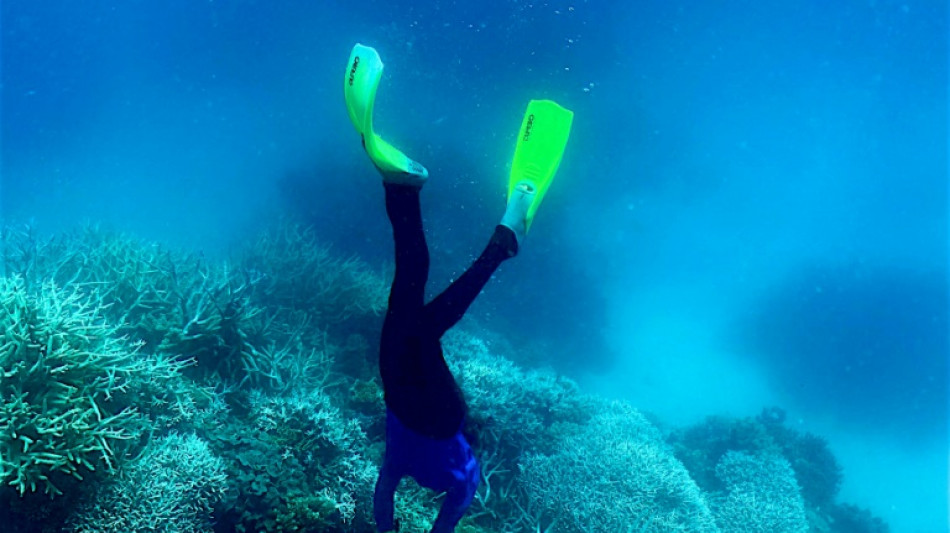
(527, 128)
(356, 63)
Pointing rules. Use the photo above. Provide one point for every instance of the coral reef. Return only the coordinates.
(150, 389)
(61, 367)
(295, 272)
(762, 495)
(614, 473)
(519, 406)
(852, 519)
(816, 473)
(172, 486)
(327, 445)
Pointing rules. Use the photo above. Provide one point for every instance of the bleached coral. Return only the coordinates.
(762, 495)
(60, 367)
(615, 473)
(172, 487)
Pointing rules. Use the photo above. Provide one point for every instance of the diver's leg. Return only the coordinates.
(383, 497)
(448, 308)
(465, 476)
(457, 500)
(412, 253)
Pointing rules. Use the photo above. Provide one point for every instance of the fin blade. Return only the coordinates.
(545, 130)
(360, 83)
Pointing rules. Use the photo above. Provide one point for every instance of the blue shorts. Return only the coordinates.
(436, 464)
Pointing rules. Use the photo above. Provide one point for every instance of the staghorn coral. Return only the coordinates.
(612, 474)
(299, 467)
(513, 411)
(171, 487)
(136, 282)
(296, 272)
(162, 394)
(177, 303)
(60, 368)
(762, 495)
(262, 480)
(517, 405)
(300, 452)
(702, 446)
(329, 447)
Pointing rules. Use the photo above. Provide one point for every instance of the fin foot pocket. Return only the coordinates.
(364, 71)
(543, 136)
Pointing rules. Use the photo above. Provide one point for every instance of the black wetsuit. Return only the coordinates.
(418, 385)
(426, 410)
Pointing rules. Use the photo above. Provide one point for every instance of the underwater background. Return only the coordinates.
(731, 312)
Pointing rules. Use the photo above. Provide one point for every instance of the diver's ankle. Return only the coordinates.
(516, 212)
(506, 239)
(402, 178)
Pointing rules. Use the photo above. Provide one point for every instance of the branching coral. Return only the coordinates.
(73, 387)
(171, 487)
(307, 425)
(178, 304)
(133, 280)
(702, 446)
(762, 495)
(296, 272)
(613, 474)
(517, 404)
(60, 367)
(132, 348)
(300, 467)
(513, 411)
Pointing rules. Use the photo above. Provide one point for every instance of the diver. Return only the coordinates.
(425, 410)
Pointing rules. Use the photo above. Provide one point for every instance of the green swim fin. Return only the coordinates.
(363, 73)
(541, 141)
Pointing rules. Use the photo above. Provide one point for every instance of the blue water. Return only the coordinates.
(752, 209)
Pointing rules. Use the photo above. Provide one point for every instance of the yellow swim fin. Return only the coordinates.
(541, 141)
(363, 73)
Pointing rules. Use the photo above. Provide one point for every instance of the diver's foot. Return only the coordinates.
(516, 214)
(406, 172)
(505, 239)
(403, 178)
(408, 179)
(361, 79)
